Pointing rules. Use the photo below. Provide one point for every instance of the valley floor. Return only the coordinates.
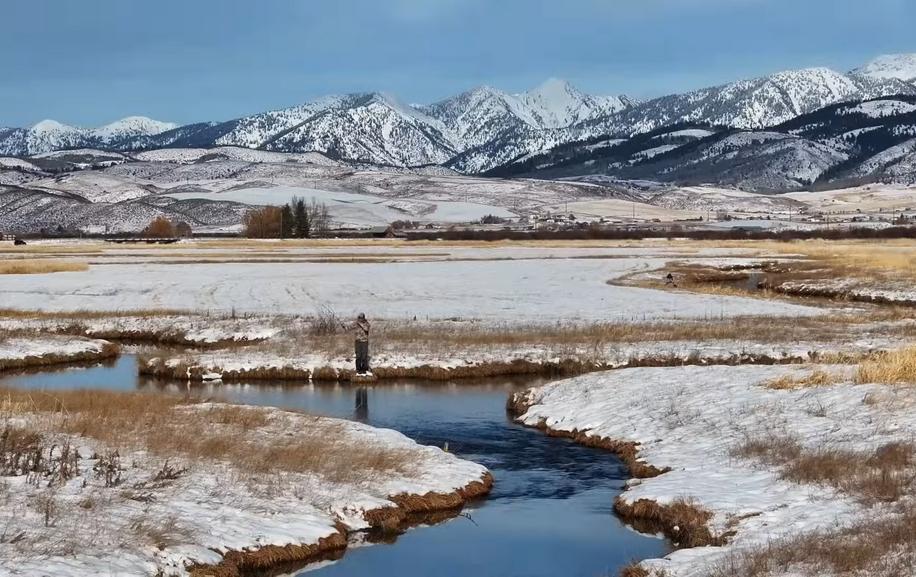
(809, 438)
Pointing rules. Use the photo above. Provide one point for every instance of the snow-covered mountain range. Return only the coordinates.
(850, 143)
(50, 135)
(485, 129)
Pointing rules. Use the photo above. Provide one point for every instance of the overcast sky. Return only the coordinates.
(88, 62)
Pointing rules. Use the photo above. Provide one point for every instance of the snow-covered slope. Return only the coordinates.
(254, 131)
(753, 104)
(130, 127)
(372, 128)
(479, 115)
(557, 104)
(50, 135)
(889, 66)
(851, 142)
(485, 115)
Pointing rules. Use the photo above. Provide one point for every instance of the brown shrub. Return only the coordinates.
(263, 222)
(21, 452)
(634, 569)
(685, 522)
(160, 227)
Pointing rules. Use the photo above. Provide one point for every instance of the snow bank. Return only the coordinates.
(22, 352)
(689, 419)
(209, 509)
(853, 289)
(471, 362)
(183, 330)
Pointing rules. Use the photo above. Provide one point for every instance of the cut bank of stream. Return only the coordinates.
(551, 509)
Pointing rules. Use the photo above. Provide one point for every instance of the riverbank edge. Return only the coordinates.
(569, 367)
(397, 518)
(108, 351)
(684, 523)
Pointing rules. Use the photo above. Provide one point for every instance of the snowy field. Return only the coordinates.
(503, 284)
(452, 307)
(874, 198)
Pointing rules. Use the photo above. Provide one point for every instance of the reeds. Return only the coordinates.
(892, 367)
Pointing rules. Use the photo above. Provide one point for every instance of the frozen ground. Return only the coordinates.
(691, 418)
(539, 285)
(161, 527)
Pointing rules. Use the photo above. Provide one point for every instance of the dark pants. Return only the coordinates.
(362, 357)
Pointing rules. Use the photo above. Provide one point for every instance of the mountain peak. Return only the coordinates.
(131, 126)
(555, 103)
(48, 125)
(888, 66)
(553, 85)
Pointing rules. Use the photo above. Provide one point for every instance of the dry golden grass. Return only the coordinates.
(421, 336)
(815, 378)
(896, 258)
(883, 547)
(40, 266)
(251, 439)
(634, 569)
(895, 367)
(682, 520)
(883, 475)
(817, 264)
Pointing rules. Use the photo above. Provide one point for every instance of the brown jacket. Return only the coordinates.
(362, 331)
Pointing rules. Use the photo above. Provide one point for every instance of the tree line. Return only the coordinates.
(295, 219)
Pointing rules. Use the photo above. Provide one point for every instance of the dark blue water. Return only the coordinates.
(550, 512)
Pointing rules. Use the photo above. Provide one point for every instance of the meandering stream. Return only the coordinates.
(550, 512)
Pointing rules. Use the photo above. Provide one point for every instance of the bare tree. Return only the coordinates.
(263, 222)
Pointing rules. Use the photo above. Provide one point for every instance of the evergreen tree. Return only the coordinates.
(288, 222)
(302, 219)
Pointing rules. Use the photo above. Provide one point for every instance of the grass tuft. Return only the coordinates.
(815, 378)
(892, 367)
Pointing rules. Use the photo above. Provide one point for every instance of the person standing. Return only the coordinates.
(362, 344)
